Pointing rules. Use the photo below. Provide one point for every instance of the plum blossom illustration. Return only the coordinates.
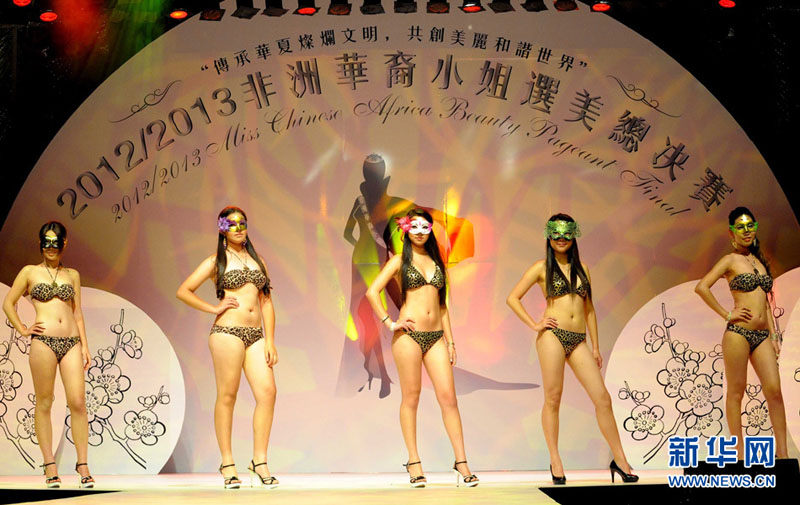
(674, 373)
(144, 425)
(10, 382)
(797, 379)
(691, 379)
(644, 420)
(110, 379)
(106, 386)
(26, 429)
(755, 418)
(707, 426)
(698, 395)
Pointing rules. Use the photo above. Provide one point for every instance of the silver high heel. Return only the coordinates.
(86, 482)
(51, 482)
(231, 482)
(267, 482)
(418, 480)
(468, 480)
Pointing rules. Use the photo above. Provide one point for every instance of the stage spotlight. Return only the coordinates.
(48, 16)
(534, 5)
(565, 5)
(438, 7)
(601, 6)
(372, 7)
(339, 8)
(727, 4)
(405, 6)
(178, 13)
(470, 6)
(274, 8)
(22, 3)
(499, 6)
(306, 8)
(244, 9)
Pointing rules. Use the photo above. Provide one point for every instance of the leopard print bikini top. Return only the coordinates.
(415, 279)
(560, 287)
(750, 281)
(234, 279)
(45, 292)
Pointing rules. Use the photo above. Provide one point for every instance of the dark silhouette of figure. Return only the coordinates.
(377, 239)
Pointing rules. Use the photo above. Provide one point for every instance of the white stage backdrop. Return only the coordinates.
(493, 121)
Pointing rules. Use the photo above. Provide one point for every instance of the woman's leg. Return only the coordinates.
(551, 361)
(408, 360)
(73, 377)
(43, 370)
(765, 364)
(440, 370)
(262, 382)
(735, 353)
(586, 370)
(227, 353)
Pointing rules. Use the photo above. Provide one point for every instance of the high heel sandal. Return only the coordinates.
(418, 480)
(86, 482)
(558, 481)
(51, 482)
(267, 482)
(626, 477)
(231, 482)
(470, 480)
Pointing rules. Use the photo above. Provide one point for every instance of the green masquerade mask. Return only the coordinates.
(556, 230)
(742, 228)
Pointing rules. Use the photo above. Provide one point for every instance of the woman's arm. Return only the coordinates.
(775, 338)
(268, 316)
(703, 289)
(77, 311)
(591, 323)
(514, 299)
(13, 296)
(186, 290)
(374, 295)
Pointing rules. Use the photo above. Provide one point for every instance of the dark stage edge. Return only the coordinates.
(32, 495)
(650, 494)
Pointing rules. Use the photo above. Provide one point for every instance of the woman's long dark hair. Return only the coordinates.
(573, 256)
(59, 229)
(222, 258)
(431, 247)
(755, 247)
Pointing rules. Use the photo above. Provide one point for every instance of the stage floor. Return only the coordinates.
(301, 489)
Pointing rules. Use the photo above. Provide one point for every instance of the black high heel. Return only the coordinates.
(86, 482)
(558, 481)
(231, 482)
(418, 480)
(51, 482)
(267, 482)
(626, 477)
(468, 480)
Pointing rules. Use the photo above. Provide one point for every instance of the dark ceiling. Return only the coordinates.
(746, 56)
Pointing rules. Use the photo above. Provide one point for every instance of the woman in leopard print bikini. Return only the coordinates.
(750, 332)
(58, 341)
(236, 341)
